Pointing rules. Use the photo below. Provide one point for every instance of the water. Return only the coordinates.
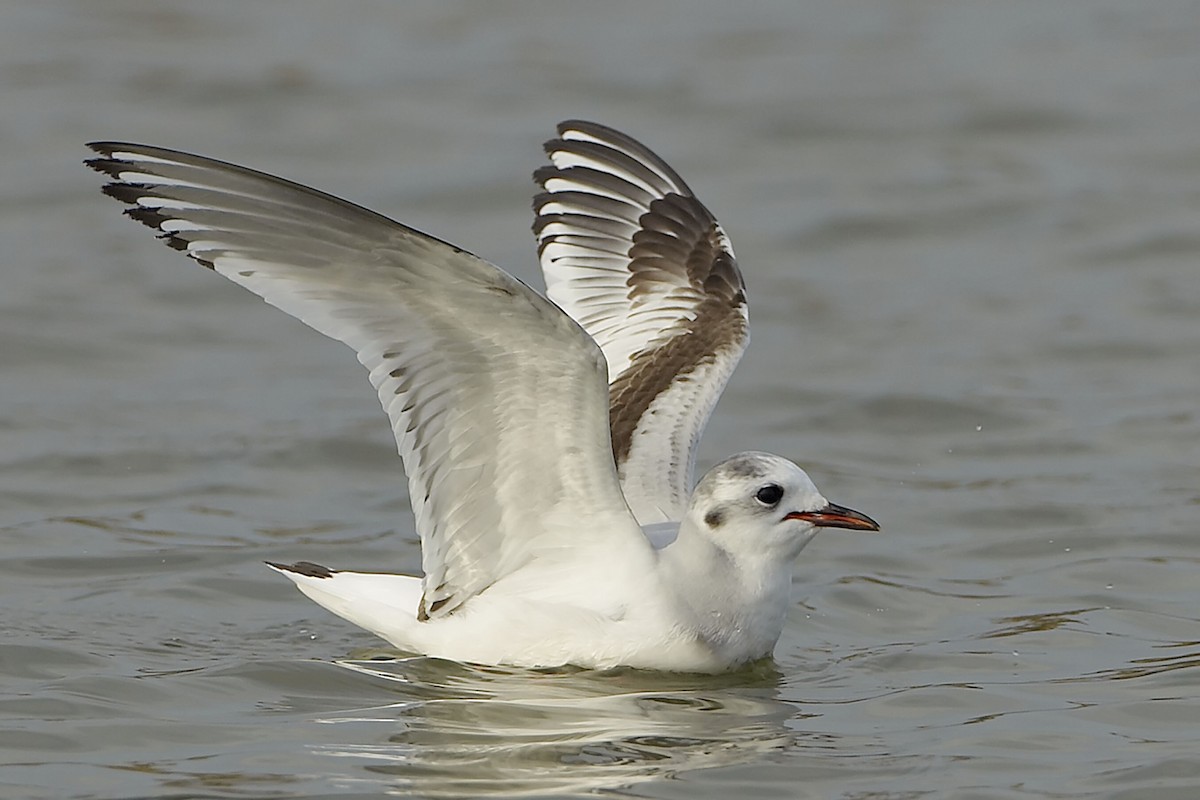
(970, 237)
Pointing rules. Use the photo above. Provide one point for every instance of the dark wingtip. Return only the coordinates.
(581, 125)
(103, 148)
(130, 194)
(543, 174)
(105, 165)
(149, 217)
(584, 125)
(125, 192)
(306, 568)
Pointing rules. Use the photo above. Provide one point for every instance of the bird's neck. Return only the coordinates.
(737, 601)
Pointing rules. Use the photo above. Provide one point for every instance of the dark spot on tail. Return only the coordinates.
(306, 568)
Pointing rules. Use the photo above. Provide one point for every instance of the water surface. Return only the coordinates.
(970, 237)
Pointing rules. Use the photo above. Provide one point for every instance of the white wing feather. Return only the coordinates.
(497, 399)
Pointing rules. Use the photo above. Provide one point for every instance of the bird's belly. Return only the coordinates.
(524, 633)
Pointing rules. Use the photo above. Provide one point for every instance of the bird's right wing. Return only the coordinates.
(630, 252)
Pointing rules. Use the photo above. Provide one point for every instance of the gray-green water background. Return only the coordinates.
(971, 234)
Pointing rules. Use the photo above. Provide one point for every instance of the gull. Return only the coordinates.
(499, 403)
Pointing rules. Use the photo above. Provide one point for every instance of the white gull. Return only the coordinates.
(499, 402)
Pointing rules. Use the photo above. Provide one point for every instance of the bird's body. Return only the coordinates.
(716, 596)
(555, 528)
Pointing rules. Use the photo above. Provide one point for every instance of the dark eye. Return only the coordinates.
(770, 494)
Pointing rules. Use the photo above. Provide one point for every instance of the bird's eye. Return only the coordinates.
(770, 494)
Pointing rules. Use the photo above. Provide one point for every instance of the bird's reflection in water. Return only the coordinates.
(474, 731)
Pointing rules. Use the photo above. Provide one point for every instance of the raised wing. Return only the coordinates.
(497, 399)
(641, 264)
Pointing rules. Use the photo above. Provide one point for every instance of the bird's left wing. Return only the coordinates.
(498, 400)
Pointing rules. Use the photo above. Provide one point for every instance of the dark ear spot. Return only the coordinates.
(714, 518)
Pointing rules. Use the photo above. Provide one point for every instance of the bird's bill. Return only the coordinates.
(835, 516)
